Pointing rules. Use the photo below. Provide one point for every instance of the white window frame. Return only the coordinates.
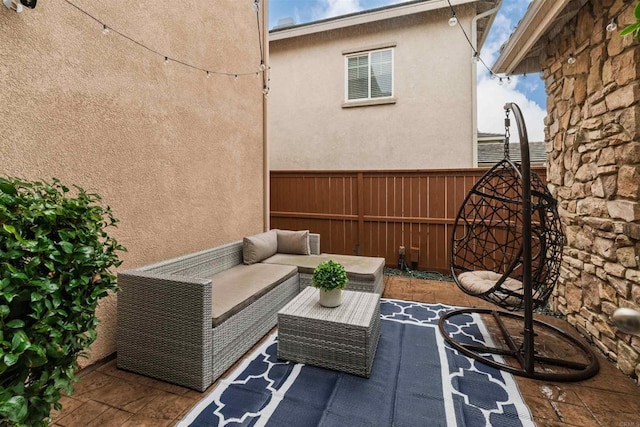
(368, 98)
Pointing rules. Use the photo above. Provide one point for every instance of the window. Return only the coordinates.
(369, 75)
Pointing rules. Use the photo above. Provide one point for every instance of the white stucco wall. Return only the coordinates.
(430, 125)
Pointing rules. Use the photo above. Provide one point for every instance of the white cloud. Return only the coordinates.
(492, 96)
(491, 100)
(500, 31)
(530, 84)
(331, 8)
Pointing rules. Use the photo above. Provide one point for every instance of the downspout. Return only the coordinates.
(474, 79)
(266, 178)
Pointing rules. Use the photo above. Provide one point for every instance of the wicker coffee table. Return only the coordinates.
(344, 338)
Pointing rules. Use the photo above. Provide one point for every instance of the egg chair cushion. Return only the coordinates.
(479, 282)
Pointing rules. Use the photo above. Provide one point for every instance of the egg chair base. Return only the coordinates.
(535, 362)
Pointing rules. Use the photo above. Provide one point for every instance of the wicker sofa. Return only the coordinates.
(188, 319)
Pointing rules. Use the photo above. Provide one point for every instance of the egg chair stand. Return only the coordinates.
(506, 248)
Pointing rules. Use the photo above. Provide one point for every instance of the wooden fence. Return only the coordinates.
(374, 213)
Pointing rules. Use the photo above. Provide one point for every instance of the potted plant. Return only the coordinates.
(330, 278)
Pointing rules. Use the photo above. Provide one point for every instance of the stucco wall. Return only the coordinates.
(593, 129)
(430, 126)
(177, 156)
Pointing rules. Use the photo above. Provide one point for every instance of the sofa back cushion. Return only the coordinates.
(293, 242)
(357, 267)
(259, 246)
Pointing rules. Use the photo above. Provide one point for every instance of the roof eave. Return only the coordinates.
(517, 56)
(362, 18)
(484, 32)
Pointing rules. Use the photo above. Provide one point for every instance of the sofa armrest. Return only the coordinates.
(164, 327)
(314, 243)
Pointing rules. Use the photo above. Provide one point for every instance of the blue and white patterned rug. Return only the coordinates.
(416, 380)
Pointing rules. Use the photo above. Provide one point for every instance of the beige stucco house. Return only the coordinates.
(592, 79)
(176, 149)
(389, 88)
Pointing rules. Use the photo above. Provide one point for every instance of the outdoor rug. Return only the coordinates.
(416, 380)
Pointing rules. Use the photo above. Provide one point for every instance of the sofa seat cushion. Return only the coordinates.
(357, 267)
(238, 287)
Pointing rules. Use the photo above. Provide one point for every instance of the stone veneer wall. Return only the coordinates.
(593, 144)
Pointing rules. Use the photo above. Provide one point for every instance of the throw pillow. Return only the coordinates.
(259, 246)
(293, 242)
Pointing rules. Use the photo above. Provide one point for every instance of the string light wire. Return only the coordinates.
(107, 29)
(263, 68)
(476, 54)
(259, 37)
(611, 27)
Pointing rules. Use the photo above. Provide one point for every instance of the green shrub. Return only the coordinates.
(54, 267)
(329, 275)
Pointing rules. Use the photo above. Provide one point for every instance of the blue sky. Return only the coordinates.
(526, 91)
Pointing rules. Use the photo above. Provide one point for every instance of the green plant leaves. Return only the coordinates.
(635, 27)
(7, 187)
(14, 409)
(11, 359)
(329, 275)
(36, 355)
(20, 342)
(11, 229)
(66, 247)
(15, 323)
(52, 243)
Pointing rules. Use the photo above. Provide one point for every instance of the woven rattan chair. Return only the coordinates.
(506, 248)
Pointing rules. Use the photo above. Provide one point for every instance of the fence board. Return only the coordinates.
(376, 212)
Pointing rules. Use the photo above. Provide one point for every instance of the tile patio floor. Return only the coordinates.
(107, 396)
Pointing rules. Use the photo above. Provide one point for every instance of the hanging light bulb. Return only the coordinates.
(475, 56)
(235, 77)
(612, 26)
(493, 75)
(208, 75)
(508, 80)
(500, 82)
(256, 5)
(262, 66)
(453, 21)
(166, 60)
(572, 59)
(105, 29)
(265, 90)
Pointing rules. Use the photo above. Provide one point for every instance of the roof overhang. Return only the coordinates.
(383, 13)
(525, 49)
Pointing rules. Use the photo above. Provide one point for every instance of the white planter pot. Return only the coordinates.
(332, 298)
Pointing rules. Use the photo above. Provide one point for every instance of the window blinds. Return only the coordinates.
(370, 75)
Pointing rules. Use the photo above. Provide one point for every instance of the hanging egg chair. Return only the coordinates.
(506, 248)
(487, 257)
